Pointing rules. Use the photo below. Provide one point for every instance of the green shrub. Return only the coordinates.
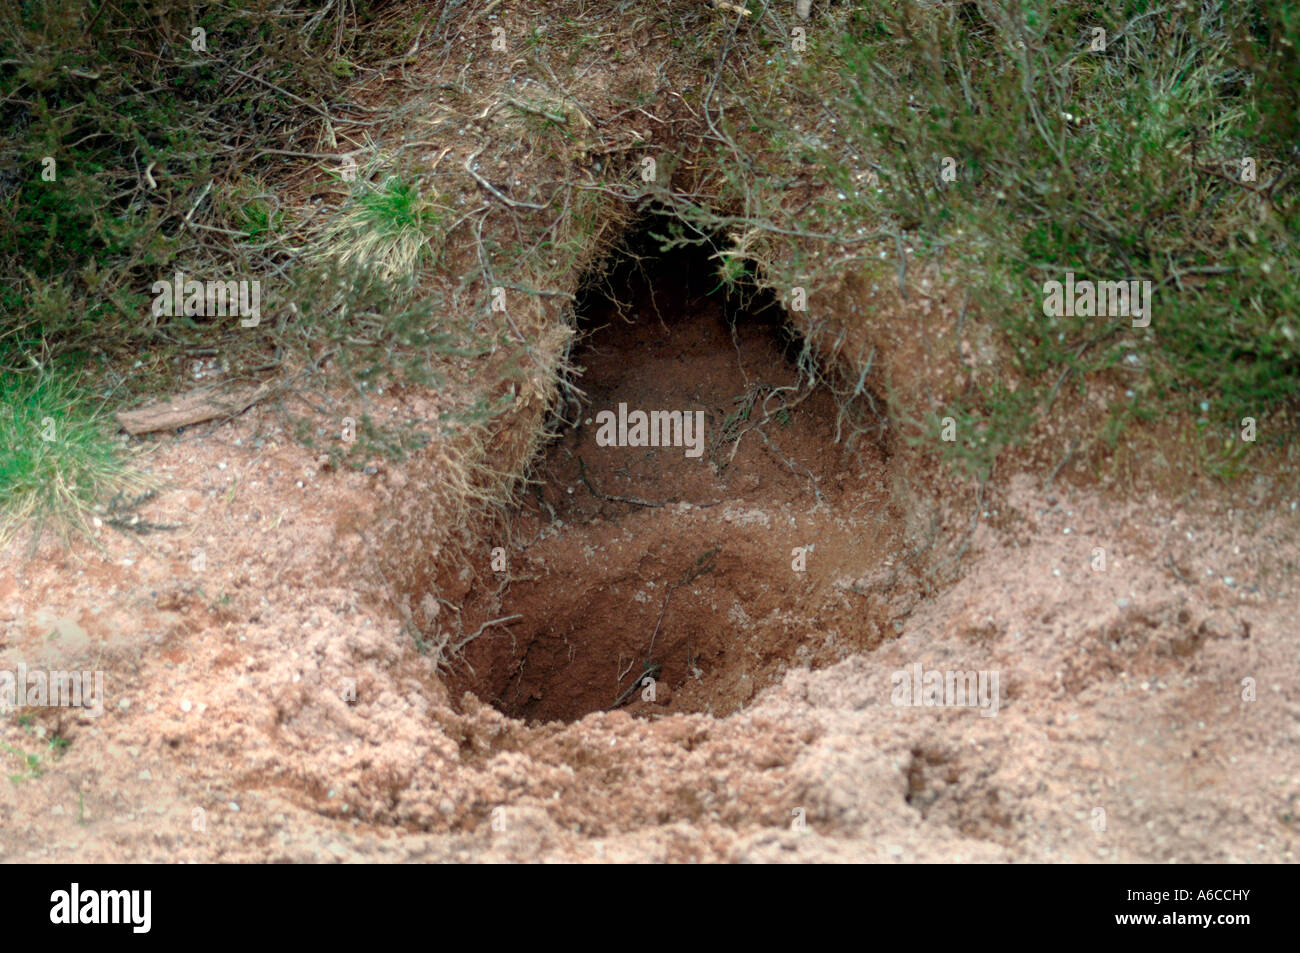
(1119, 164)
(153, 145)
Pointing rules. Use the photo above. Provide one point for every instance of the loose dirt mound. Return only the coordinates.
(287, 722)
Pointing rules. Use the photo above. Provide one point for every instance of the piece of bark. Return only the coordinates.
(196, 406)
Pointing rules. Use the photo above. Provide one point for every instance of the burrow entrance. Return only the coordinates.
(682, 561)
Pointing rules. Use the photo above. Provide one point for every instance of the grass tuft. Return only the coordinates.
(391, 229)
(57, 458)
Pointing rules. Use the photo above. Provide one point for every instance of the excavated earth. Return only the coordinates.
(266, 702)
(706, 573)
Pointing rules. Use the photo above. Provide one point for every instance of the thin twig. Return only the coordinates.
(491, 188)
(1181, 578)
(1069, 452)
(282, 90)
(470, 638)
(975, 522)
(582, 466)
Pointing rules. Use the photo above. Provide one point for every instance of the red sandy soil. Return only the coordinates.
(267, 706)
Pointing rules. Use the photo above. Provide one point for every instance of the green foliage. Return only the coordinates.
(58, 457)
(395, 207)
(391, 229)
(153, 143)
(1117, 164)
(32, 762)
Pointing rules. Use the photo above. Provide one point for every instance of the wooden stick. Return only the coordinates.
(196, 406)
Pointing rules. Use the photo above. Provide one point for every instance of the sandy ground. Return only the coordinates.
(265, 699)
(261, 703)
